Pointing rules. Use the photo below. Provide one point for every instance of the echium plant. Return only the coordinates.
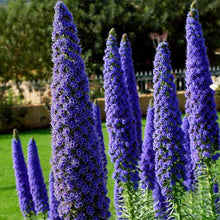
(21, 176)
(129, 78)
(79, 182)
(147, 167)
(53, 212)
(98, 128)
(119, 121)
(36, 179)
(200, 102)
(201, 108)
(190, 181)
(168, 135)
(147, 162)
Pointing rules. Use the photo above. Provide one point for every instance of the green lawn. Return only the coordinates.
(9, 207)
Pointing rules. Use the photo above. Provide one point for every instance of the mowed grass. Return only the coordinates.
(9, 206)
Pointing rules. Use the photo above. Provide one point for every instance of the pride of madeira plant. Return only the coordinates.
(130, 82)
(168, 135)
(147, 167)
(21, 176)
(98, 128)
(53, 212)
(79, 183)
(36, 179)
(119, 121)
(202, 116)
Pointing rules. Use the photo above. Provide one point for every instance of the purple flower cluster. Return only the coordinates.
(168, 135)
(53, 212)
(130, 82)
(190, 181)
(122, 139)
(98, 128)
(161, 205)
(147, 166)
(200, 103)
(21, 175)
(36, 179)
(76, 160)
(147, 162)
(216, 192)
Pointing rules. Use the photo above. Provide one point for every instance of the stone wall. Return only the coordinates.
(144, 101)
(30, 117)
(37, 116)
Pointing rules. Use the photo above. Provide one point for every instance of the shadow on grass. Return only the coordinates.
(8, 188)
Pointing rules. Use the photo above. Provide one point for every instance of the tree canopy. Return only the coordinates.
(25, 30)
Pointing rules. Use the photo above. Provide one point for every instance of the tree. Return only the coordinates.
(25, 40)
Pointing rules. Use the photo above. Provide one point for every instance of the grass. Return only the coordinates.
(9, 206)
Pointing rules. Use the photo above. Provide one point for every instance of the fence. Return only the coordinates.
(145, 79)
(38, 92)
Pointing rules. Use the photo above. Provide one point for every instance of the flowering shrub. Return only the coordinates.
(175, 162)
(190, 181)
(147, 163)
(201, 113)
(98, 128)
(36, 179)
(122, 140)
(200, 102)
(76, 160)
(168, 135)
(53, 212)
(119, 121)
(21, 176)
(147, 166)
(130, 82)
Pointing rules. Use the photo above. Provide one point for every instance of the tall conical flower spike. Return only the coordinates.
(147, 166)
(147, 163)
(130, 82)
(36, 179)
(190, 181)
(76, 160)
(21, 176)
(168, 135)
(200, 102)
(53, 213)
(98, 128)
(122, 138)
(201, 111)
